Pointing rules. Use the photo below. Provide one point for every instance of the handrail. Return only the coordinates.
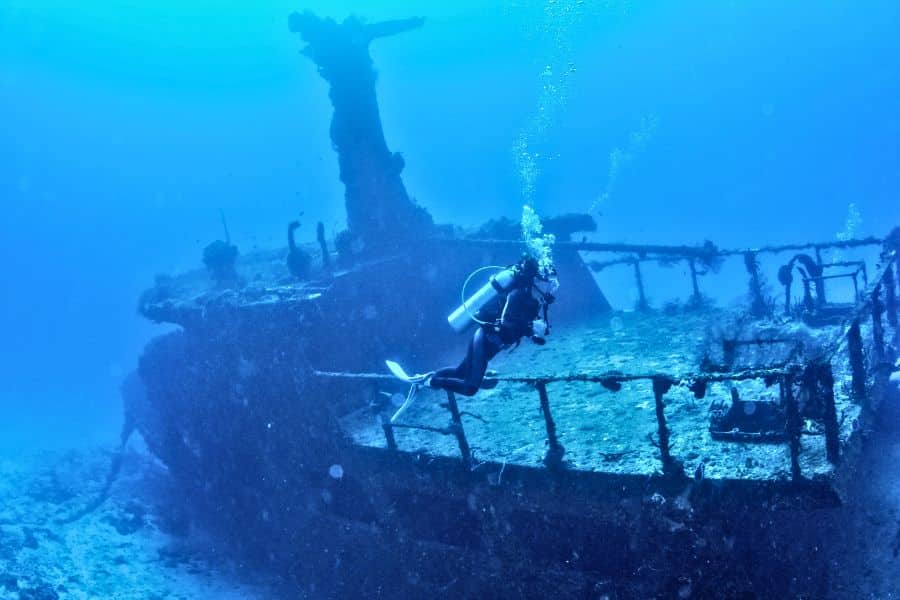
(707, 250)
(815, 375)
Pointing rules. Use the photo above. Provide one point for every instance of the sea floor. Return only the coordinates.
(129, 548)
(607, 431)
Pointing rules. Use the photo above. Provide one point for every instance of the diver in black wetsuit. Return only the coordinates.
(520, 312)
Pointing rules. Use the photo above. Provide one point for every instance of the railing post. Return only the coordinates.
(857, 362)
(388, 428)
(555, 452)
(794, 424)
(820, 283)
(696, 298)
(660, 387)
(832, 433)
(457, 429)
(808, 303)
(890, 294)
(786, 278)
(877, 325)
(757, 302)
(639, 281)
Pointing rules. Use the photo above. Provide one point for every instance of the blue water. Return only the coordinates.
(127, 125)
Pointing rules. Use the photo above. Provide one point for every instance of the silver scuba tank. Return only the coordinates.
(499, 283)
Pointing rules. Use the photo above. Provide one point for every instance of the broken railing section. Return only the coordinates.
(703, 259)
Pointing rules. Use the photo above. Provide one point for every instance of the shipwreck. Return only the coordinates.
(615, 458)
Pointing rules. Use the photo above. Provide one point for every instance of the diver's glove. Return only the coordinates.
(538, 340)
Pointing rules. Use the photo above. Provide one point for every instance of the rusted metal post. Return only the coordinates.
(787, 297)
(832, 438)
(820, 283)
(457, 428)
(757, 302)
(661, 386)
(696, 298)
(554, 455)
(877, 325)
(857, 361)
(639, 281)
(807, 296)
(794, 424)
(890, 295)
(388, 428)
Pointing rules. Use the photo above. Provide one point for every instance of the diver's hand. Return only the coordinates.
(538, 340)
(539, 327)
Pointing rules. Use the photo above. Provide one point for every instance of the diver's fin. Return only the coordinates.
(410, 396)
(398, 372)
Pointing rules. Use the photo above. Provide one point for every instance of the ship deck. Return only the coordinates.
(610, 432)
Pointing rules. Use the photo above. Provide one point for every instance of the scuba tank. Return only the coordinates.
(498, 284)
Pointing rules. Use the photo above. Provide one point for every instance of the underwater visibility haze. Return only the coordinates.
(664, 234)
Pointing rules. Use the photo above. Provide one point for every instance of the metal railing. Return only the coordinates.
(814, 377)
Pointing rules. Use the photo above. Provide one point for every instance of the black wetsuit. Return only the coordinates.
(508, 319)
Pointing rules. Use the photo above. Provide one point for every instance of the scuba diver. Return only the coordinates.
(512, 305)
